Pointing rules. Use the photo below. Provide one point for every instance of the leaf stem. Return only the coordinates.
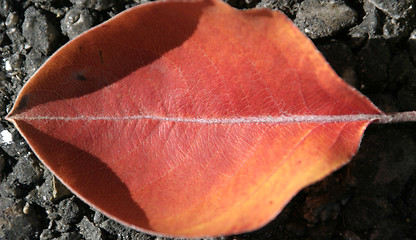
(409, 116)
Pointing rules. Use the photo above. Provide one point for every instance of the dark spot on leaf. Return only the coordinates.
(23, 102)
(80, 77)
(101, 56)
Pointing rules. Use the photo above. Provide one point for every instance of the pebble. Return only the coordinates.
(110, 226)
(33, 61)
(27, 172)
(395, 9)
(69, 211)
(6, 137)
(98, 217)
(13, 223)
(396, 28)
(88, 230)
(19, 146)
(9, 188)
(26, 208)
(385, 19)
(39, 31)
(16, 38)
(61, 226)
(59, 190)
(45, 190)
(13, 63)
(5, 7)
(76, 21)
(319, 19)
(98, 5)
(285, 6)
(46, 235)
(70, 236)
(116, 228)
(7, 66)
(12, 20)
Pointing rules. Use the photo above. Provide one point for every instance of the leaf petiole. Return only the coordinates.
(409, 116)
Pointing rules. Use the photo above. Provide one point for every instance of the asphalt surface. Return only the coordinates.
(370, 43)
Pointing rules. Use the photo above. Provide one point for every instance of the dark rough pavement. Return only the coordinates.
(370, 43)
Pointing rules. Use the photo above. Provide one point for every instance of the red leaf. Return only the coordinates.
(191, 118)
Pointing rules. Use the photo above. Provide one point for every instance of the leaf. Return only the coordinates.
(191, 118)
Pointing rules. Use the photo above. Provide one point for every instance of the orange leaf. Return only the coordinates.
(191, 118)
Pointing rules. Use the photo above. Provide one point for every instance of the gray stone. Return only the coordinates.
(369, 25)
(27, 171)
(396, 28)
(6, 7)
(46, 234)
(98, 5)
(116, 228)
(19, 146)
(395, 9)
(33, 61)
(13, 63)
(69, 211)
(287, 6)
(12, 20)
(39, 32)
(14, 224)
(10, 187)
(386, 19)
(70, 236)
(45, 191)
(76, 21)
(99, 217)
(16, 37)
(110, 226)
(59, 190)
(324, 18)
(88, 230)
(62, 226)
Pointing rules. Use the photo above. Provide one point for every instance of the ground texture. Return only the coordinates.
(370, 43)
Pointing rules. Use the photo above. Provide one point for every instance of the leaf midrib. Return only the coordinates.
(285, 119)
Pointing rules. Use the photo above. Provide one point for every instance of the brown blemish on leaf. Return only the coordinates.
(101, 56)
(23, 102)
(80, 77)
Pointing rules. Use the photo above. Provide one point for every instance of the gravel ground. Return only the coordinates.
(370, 43)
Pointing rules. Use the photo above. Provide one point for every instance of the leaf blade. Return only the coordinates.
(187, 133)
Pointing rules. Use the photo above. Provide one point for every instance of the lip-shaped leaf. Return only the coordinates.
(191, 118)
